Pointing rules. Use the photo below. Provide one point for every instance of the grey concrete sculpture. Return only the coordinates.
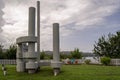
(30, 60)
(56, 64)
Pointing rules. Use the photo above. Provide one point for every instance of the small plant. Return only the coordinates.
(76, 54)
(105, 60)
(87, 61)
(42, 55)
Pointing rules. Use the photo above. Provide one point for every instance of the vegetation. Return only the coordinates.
(1, 51)
(68, 72)
(105, 60)
(76, 54)
(43, 55)
(64, 56)
(9, 54)
(109, 47)
(87, 61)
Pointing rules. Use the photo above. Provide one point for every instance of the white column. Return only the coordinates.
(31, 29)
(56, 64)
(31, 66)
(38, 31)
(56, 55)
(19, 59)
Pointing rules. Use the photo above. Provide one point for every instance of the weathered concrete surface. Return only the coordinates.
(56, 64)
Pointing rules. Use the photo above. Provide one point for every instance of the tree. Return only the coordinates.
(11, 52)
(42, 55)
(108, 46)
(64, 56)
(105, 60)
(1, 52)
(76, 54)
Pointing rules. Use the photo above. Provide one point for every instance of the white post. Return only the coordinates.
(56, 64)
(20, 64)
(30, 65)
(56, 54)
(38, 31)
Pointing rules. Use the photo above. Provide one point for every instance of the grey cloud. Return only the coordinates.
(71, 14)
(2, 22)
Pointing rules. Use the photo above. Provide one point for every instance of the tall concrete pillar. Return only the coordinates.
(31, 66)
(56, 64)
(20, 63)
(56, 54)
(31, 25)
(38, 32)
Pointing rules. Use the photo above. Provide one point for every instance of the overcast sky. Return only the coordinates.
(82, 22)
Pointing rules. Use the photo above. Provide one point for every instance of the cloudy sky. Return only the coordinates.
(82, 22)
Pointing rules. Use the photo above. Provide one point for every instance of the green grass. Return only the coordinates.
(68, 72)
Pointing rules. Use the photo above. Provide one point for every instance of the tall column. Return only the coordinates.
(20, 63)
(38, 31)
(56, 54)
(31, 28)
(56, 64)
(31, 66)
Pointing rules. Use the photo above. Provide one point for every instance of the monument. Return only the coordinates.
(30, 60)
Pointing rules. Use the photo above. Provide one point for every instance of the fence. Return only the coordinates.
(7, 61)
(13, 62)
(115, 62)
(48, 62)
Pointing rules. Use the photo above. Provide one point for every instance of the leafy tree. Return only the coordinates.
(76, 54)
(42, 54)
(109, 47)
(64, 56)
(1, 52)
(11, 52)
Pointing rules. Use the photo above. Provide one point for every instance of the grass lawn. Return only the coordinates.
(68, 72)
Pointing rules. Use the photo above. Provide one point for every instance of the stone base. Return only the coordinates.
(56, 71)
(56, 67)
(31, 71)
(56, 64)
(20, 67)
(31, 67)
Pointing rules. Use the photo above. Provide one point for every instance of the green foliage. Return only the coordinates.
(109, 47)
(48, 57)
(64, 56)
(76, 54)
(42, 55)
(105, 60)
(9, 54)
(1, 51)
(87, 61)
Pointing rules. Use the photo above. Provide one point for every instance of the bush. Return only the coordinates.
(76, 54)
(105, 60)
(42, 55)
(87, 61)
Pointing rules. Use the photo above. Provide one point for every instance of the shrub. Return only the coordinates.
(42, 55)
(87, 61)
(63, 56)
(76, 54)
(105, 60)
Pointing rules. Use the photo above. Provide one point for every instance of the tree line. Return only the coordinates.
(10, 53)
(105, 47)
